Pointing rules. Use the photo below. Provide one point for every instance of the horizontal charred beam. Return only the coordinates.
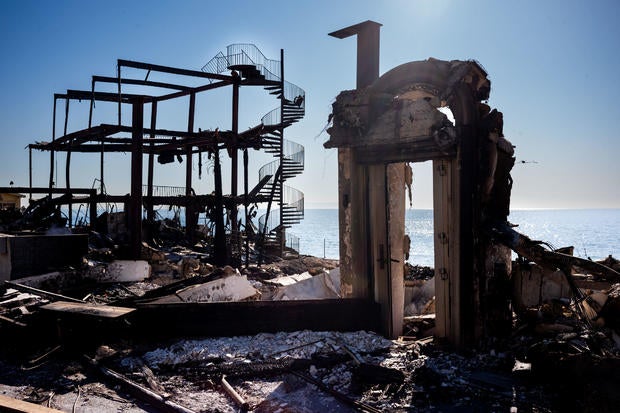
(418, 150)
(267, 316)
(45, 190)
(194, 90)
(101, 96)
(391, 155)
(140, 82)
(172, 70)
(82, 135)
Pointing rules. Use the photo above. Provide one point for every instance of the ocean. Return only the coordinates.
(594, 233)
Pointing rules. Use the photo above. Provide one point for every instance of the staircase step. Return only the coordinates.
(293, 213)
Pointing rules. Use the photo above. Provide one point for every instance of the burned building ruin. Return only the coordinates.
(240, 66)
(393, 119)
(402, 117)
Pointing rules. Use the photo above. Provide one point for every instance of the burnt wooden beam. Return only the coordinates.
(194, 90)
(86, 148)
(51, 178)
(140, 82)
(234, 158)
(41, 293)
(220, 235)
(83, 134)
(152, 398)
(403, 152)
(135, 204)
(12, 405)
(151, 163)
(252, 317)
(191, 219)
(172, 70)
(45, 190)
(97, 133)
(100, 96)
(123, 146)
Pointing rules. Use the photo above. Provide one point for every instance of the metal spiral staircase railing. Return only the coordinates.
(256, 69)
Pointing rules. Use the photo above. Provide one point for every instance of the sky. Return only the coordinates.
(553, 65)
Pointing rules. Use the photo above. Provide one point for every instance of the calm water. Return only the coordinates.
(594, 233)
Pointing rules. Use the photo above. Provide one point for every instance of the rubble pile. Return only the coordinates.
(418, 272)
(562, 353)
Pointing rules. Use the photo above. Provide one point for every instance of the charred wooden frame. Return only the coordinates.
(139, 139)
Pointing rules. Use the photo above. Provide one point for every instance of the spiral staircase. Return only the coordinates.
(288, 203)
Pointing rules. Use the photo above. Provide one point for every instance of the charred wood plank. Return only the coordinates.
(234, 395)
(103, 96)
(92, 310)
(42, 293)
(252, 317)
(12, 322)
(172, 70)
(337, 395)
(137, 390)
(108, 79)
(198, 89)
(45, 190)
(9, 404)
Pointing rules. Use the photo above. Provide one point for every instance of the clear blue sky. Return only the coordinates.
(554, 67)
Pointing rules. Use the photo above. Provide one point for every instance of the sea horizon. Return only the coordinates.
(593, 232)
